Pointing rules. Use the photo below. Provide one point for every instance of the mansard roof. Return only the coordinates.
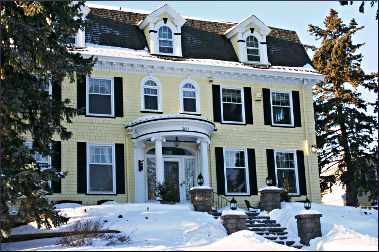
(201, 39)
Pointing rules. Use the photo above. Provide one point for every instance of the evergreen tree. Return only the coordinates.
(35, 50)
(345, 132)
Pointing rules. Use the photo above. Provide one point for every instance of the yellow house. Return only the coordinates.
(172, 97)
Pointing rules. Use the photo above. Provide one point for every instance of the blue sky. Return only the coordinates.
(292, 15)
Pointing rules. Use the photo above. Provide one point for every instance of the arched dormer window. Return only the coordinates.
(150, 95)
(166, 44)
(252, 49)
(189, 98)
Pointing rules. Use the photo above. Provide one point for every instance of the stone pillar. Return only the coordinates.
(139, 151)
(201, 198)
(308, 226)
(204, 161)
(270, 198)
(159, 160)
(234, 220)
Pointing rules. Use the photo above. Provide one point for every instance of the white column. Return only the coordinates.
(159, 160)
(204, 161)
(139, 154)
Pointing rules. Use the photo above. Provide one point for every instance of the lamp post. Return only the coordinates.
(307, 204)
(233, 204)
(200, 180)
(269, 181)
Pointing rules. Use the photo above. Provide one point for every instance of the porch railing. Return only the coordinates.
(219, 201)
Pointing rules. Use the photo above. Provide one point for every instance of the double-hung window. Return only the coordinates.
(150, 96)
(189, 98)
(42, 162)
(100, 92)
(101, 169)
(281, 107)
(165, 40)
(232, 105)
(286, 171)
(236, 172)
(252, 49)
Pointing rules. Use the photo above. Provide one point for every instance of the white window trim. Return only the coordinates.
(112, 96)
(262, 49)
(172, 40)
(296, 169)
(291, 109)
(243, 105)
(113, 169)
(246, 172)
(176, 41)
(159, 86)
(259, 48)
(197, 92)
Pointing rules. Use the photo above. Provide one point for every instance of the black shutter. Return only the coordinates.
(118, 101)
(82, 167)
(252, 172)
(266, 105)
(301, 172)
(120, 169)
(81, 94)
(271, 165)
(56, 164)
(248, 105)
(56, 90)
(220, 170)
(216, 103)
(296, 108)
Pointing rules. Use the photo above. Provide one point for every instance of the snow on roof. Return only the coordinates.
(163, 116)
(118, 52)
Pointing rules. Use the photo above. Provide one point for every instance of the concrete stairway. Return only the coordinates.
(264, 226)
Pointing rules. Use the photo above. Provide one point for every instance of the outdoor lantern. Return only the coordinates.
(14, 206)
(233, 204)
(269, 181)
(307, 204)
(200, 180)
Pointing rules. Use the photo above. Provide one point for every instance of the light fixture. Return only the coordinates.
(269, 181)
(233, 204)
(200, 180)
(307, 204)
(314, 148)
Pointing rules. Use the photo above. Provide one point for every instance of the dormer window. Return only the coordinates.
(252, 49)
(165, 40)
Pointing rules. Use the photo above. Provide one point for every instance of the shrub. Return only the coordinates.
(84, 231)
(167, 191)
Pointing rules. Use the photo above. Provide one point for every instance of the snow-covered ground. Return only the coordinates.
(154, 226)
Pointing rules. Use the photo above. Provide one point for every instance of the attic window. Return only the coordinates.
(252, 47)
(165, 40)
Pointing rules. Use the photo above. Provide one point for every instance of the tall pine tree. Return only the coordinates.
(35, 50)
(344, 129)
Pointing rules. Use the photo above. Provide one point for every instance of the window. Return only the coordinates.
(101, 169)
(286, 171)
(100, 96)
(42, 162)
(236, 172)
(232, 107)
(281, 108)
(150, 95)
(252, 48)
(189, 98)
(165, 40)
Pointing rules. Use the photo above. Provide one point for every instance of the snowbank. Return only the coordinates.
(343, 239)
(244, 241)
(362, 221)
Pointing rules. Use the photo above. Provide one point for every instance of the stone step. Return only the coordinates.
(290, 243)
(282, 237)
(264, 225)
(297, 246)
(260, 217)
(272, 238)
(270, 229)
(280, 242)
(259, 221)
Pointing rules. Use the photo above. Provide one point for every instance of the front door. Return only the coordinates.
(171, 176)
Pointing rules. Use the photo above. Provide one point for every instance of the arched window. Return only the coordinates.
(165, 40)
(150, 95)
(189, 98)
(252, 47)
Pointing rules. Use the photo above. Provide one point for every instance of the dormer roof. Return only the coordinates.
(249, 22)
(165, 10)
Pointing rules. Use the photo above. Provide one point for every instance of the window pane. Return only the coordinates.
(234, 159)
(287, 180)
(165, 43)
(251, 41)
(236, 180)
(101, 154)
(165, 49)
(282, 115)
(151, 102)
(232, 112)
(285, 160)
(281, 99)
(165, 32)
(189, 93)
(99, 86)
(189, 86)
(231, 95)
(150, 91)
(253, 58)
(189, 105)
(150, 83)
(101, 178)
(100, 104)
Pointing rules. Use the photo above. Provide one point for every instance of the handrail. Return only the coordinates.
(219, 201)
